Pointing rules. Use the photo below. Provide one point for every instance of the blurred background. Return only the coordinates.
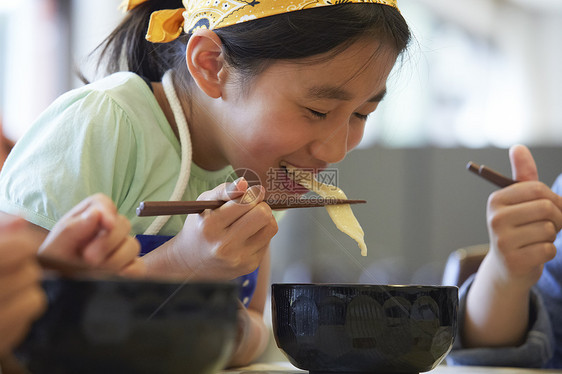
(480, 76)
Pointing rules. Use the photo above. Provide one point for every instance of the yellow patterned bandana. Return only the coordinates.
(166, 25)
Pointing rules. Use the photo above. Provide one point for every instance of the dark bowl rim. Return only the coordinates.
(363, 286)
(140, 281)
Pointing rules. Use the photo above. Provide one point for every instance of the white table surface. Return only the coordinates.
(287, 368)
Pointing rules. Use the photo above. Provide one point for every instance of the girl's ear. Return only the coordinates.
(205, 61)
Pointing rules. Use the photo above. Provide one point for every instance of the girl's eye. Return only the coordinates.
(316, 114)
(362, 117)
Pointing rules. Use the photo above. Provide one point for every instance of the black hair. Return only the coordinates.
(250, 47)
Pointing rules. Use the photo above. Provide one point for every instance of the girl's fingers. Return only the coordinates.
(226, 191)
(262, 238)
(254, 232)
(258, 218)
(239, 200)
(217, 220)
(233, 211)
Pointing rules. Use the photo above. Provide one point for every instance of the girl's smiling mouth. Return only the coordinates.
(289, 179)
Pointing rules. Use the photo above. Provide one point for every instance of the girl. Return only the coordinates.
(510, 310)
(219, 89)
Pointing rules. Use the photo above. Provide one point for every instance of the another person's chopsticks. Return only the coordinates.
(490, 175)
(167, 208)
(68, 268)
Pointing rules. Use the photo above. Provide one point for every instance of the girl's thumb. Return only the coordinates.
(235, 189)
(226, 191)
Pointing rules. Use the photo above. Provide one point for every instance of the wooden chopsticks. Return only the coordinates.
(490, 175)
(167, 208)
(69, 268)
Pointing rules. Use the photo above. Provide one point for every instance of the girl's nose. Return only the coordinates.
(332, 145)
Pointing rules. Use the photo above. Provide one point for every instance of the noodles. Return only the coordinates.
(342, 215)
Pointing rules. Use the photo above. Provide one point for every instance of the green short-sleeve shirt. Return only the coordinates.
(109, 136)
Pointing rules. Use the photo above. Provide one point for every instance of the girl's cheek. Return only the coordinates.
(355, 138)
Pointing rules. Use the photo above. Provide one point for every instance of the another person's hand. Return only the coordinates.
(22, 299)
(226, 242)
(523, 221)
(93, 232)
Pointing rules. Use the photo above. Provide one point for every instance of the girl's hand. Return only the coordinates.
(226, 242)
(22, 299)
(95, 233)
(523, 221)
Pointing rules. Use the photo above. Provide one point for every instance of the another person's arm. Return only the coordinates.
(21, 296)
(523, 220)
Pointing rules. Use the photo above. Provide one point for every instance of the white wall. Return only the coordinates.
(479, 73)
(35, 62)
(44, 42)
(92, 21)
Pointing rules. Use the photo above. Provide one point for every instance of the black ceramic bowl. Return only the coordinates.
(351, 328)
(131, 326)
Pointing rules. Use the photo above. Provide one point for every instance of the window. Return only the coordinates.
(479, 73)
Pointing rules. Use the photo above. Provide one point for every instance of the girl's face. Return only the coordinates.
(308, 115)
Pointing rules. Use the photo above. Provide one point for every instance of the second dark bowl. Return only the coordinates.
(351, 328)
